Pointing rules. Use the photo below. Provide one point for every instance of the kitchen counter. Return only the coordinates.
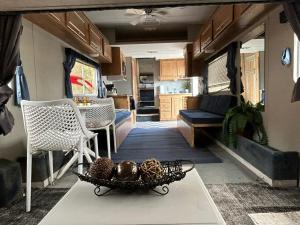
(189, 94)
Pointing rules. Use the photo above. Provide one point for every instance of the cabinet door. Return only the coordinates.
(96, 39)
(168, 70)
(176, 106)
(223, 17)
(240, 9)
(206, 36)
(60, 18)
(78, 24)
(180, 68)
(184, 102)
(196, 48)
(107, 52)
(165, 107)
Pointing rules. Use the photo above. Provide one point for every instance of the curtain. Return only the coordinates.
(10, 32)
(205, 79)
(100, 83)
(292, 11)
(21, 87)
(68, 66)
(231, 68)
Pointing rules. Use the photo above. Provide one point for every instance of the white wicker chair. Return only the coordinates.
(101, 118)
(54, 126)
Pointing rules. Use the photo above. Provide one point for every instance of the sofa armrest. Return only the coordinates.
(193, 102)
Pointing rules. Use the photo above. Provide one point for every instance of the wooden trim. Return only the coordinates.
(187, 131)
(200, 125)
(122, 130)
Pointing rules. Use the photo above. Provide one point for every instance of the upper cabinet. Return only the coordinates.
(60, 18)
(118, 65)
(107, 50)
(168, 69)
(180, 63)
(172, 69)
(79, 25)
(197, 47)
(222, 18)
(239, 10)
(96, 39)
(206, 35)
(77, 30)
(224, 26)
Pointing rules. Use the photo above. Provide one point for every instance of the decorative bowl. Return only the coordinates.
(172, 171)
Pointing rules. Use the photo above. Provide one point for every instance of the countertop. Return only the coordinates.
(190, 94)
(119, 96)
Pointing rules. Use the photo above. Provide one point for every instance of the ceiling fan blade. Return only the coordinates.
(137, 21)
(134, 12)
(160, 12)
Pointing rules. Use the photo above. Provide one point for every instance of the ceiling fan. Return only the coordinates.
(150, 18)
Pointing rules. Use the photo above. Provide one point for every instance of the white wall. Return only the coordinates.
(42, 55)
(281, 117)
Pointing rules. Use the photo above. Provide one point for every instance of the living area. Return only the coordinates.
(139, 114)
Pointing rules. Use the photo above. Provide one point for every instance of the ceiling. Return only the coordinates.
(154, 50)
(181, 16)
(166, 41)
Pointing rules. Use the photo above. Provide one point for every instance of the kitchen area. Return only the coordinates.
(159, 87)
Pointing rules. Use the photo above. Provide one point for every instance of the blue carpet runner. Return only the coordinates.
(162, 144)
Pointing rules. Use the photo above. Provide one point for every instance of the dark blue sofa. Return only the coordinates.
(122, 115)
(211, 113)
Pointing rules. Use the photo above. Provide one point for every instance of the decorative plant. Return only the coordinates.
(245, 120)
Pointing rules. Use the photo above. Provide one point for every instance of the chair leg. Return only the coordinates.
(108, 142)
(28, 179)
(80, 157)
(50, 154)
(115, 138)
(68, 165)
(96, 147)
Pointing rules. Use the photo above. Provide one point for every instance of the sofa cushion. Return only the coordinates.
(121, 115)
(201, 117)
(218, 104)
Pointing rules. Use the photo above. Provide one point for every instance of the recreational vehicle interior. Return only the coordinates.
(149, 112)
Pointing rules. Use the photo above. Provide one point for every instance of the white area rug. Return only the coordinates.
(287, 218)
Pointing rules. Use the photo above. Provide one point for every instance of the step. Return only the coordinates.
(147, 110)
(146, 118)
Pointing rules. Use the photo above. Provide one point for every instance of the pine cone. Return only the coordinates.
(102, 168)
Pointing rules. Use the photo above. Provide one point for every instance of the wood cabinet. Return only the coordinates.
(96, 39)
(77, 30)
(180, 68)
(226, 24)
(222, 18)
(206, 35)
(107, 50)
(197, 47)
(240, 9)
(171, 104)
(118, 65)
(172, 69)
(60, 18)
(78, 24)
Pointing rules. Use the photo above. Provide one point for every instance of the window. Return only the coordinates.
(217, 75)
(253, 69)
(296, 59)
(84, 79)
